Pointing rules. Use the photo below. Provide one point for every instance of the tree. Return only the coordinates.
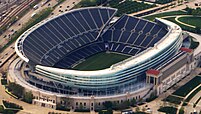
(137, 109)
(143, 109)
(181, 110)
(27, 97)
(107, 104)
(133, 102)
(16, 89)
(197, 29)
(66, 105)
(125, 104)
(189, 10)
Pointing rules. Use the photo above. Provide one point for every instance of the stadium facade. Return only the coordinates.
(51, 48)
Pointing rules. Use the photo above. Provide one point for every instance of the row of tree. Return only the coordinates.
(195, 12)
(20, 92)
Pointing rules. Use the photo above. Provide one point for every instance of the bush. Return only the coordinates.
(163, 1)
(194, 44)
(1, 109)
(82, 110)
(139, 113)
(181, 111)
(4, 81)
(168, 110)
(173, 99)
(109, 111)
(28, 97)
(107, 104)
(16, 89)
(151, 98)
(185, 89)
(88, 3)
(62, 107)
(11, 105)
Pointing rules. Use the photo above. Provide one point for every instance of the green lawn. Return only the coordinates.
(168, 110)
(152, 17)
(185, 89)
(192, 94)
(100, 61)
(194, 44)
(173, 99)
(187, 28)
(195, 21)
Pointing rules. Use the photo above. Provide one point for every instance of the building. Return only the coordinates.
(49, 49)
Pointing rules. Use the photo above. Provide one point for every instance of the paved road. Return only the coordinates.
(4, 38)
(15, 27)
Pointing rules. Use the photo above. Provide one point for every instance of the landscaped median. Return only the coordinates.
(178, 96)
(191, 95)
(168, 110)
(8, 92)
(188, 87)
(9, 108)
(165, 14)
(185, 93)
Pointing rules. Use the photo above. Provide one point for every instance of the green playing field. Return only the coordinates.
(100, 61)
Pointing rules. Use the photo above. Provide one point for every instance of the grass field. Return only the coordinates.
(195, 21)
(152, 17)
(100, 61)
(185, 89)
(181, 25)
(173, 99)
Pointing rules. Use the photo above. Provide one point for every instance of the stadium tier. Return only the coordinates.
(54, 46)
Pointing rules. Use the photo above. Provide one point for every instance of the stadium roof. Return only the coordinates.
(174, 31)
(186, 49)
(171, 36)
(152, 71)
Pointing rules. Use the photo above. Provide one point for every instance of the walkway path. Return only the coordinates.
(180, 105)
(177, 19)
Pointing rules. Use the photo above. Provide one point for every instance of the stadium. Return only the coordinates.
(84, 56)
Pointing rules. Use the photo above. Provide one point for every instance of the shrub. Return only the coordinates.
(107, 104)
(82, 110)
(16, 89)
(27, 97)
(11, 105)
(185, 89)
(3, 81)
(1, 109)
(181, 110)
(173, 99)
(62, 107)
(109, 111)
(168, 110)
